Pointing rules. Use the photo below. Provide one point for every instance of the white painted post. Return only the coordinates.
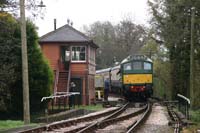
(187, 104)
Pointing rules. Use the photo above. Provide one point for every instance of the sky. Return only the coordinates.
(86, 12)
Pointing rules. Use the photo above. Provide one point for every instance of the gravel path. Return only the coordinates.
(157, 121)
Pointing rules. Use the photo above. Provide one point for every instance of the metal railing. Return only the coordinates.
(62, 97)
(183, 105)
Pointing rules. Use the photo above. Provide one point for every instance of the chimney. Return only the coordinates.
(68, 21)
(54, 24)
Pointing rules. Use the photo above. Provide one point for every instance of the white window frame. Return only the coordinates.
(79, 60)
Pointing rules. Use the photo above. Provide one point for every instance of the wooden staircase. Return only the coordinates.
(62, 81)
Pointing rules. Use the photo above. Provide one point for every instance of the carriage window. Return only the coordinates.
(127, 66)
(137, 65)
(147, 66)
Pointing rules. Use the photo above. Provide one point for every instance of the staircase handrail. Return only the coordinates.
(69, 77)
(57, 77)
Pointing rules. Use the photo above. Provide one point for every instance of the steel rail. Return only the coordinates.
(142, 119)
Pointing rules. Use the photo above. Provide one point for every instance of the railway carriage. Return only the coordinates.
(100, 76)
(137, 77)
(115, 81)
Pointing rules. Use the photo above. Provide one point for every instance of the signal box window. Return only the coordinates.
(147, 66)
(79, 53)
(137, 65)
(127, 66)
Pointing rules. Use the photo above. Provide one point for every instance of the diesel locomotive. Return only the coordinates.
(137, 77)
(133, 77)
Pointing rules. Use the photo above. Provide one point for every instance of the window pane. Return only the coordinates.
(78, 53)
(147, 66)
(127, 66)
(73, 55)
(82, 56)
(82, 49)
(78, 48)
(137, 65)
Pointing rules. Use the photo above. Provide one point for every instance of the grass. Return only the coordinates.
(195, 117)
(7, 124)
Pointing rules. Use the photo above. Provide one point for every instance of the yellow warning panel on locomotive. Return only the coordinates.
(137, 78)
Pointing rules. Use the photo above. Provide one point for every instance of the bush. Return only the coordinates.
(195, 115)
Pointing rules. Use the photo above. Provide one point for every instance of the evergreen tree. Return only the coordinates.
(8, 46)
(40, 74)
(172, 23)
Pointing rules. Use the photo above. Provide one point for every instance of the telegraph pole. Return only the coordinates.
(192, 55)
(24, 64)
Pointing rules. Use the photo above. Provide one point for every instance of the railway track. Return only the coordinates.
(113, 122)
(68, 123)
(97, 123)
(177, 123)
(89, 125)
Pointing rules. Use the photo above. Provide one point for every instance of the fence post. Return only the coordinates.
(64, 102)
(46, 115)
(52, 101)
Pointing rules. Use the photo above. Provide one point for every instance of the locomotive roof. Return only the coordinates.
(136, 57)
(115, 67)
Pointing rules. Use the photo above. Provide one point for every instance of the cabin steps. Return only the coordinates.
(62, 82)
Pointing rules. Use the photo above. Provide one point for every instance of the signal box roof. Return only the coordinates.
(65, 34)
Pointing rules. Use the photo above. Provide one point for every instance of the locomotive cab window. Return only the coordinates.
(137, 65)
(147, 66)
(127, 66)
